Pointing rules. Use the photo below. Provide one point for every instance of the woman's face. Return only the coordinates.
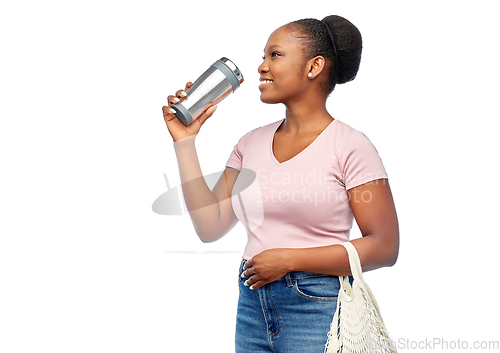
(283, 72)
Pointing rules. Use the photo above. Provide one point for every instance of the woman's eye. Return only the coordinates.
(273, 54)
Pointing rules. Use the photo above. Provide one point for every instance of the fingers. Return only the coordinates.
(249, 271)
(177, 98)
(249, 283)
(248, 264)
(181, 93)
(168, 113)
(253, 283)
(172, 100)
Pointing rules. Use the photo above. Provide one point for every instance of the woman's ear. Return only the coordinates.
(315, 66)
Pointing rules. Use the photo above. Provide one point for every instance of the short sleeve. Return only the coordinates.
(236, 158)
(359, 161)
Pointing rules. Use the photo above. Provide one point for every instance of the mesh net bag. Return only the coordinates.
(357, 325)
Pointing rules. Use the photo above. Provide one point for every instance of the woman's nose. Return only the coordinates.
(263, 67)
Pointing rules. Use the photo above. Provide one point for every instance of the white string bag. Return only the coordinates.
(357, 325)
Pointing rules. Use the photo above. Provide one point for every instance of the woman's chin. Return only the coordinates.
(267, 99)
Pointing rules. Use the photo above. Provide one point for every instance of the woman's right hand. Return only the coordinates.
(177, 129)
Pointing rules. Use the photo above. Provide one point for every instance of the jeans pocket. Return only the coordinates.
(319, 288)
(240, 271)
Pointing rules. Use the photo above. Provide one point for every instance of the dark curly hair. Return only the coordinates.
(317, 42)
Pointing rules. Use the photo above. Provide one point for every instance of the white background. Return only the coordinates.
(87, 266)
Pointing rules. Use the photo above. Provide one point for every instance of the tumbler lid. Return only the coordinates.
(231, 71)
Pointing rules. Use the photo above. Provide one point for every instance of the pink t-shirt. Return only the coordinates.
(302, 202)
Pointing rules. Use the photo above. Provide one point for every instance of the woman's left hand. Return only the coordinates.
(266, 267)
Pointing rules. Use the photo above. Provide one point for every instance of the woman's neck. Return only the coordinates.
(303, 118)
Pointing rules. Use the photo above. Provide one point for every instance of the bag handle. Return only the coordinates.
(357, 274)
(354, 262)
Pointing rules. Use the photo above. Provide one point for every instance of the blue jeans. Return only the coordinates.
(291, 314)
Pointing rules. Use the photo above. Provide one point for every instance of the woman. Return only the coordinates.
(289, 273)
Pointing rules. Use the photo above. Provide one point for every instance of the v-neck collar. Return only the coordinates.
(273, 157)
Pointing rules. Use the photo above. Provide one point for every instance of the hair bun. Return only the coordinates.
(349, 47)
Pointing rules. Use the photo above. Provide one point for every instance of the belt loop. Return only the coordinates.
(288, 280)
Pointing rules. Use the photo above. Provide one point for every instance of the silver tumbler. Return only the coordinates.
(222, 78)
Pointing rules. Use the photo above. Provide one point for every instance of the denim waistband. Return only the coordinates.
(291, 275)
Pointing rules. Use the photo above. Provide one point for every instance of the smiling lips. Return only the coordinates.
(264, 82)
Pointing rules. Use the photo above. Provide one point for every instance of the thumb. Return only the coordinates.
(207, 114)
